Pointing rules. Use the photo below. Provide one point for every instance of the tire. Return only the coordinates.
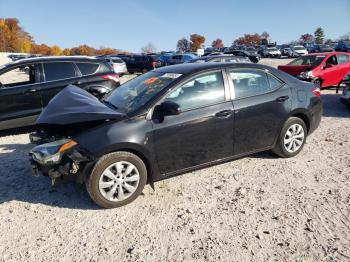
(99, 179)
(281, 148)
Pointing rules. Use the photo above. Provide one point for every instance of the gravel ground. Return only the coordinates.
(258, 208)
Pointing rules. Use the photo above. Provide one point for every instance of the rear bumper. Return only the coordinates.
(315, 115)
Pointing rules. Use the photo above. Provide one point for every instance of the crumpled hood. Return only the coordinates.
(74, 105)
(295, 70)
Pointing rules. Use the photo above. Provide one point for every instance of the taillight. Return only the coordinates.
(316, 91)
(113, 77)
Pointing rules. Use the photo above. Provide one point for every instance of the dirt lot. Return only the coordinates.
(258, 208)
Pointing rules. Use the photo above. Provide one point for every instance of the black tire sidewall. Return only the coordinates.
(101, 165)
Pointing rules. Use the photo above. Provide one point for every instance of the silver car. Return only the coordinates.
(118, 65)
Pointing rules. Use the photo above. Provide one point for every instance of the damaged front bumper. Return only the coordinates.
(73, 161)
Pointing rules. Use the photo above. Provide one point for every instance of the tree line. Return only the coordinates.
(13, 38)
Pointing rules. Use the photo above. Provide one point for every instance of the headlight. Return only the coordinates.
(51, 153)
(306, 75)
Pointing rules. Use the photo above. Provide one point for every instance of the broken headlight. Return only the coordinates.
(51, 153)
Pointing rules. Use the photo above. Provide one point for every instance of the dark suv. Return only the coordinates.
(141, 63)
(27, 85)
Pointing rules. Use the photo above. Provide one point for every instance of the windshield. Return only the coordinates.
(137, 92)
(313, 60)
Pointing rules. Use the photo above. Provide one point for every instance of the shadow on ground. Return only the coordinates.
(17, 183)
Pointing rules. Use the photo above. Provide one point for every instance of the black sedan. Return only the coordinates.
(170, 121)
(252, 57)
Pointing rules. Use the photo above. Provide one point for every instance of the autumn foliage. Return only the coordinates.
(197, 41)
(217, 43)
(13, 38)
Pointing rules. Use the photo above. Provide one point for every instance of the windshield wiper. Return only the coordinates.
(109, 104)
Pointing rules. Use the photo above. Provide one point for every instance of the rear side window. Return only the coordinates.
(248, 82)
(342, 59)
(87, 68)
(274, 82)
(60, 70)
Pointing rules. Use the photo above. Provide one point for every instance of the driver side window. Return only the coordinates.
(200, 91)
(18, 76)
(332, 60)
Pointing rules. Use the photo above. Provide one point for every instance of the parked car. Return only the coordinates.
(289, 52)
(273, 52)
(141, 63)
(299, 49)
(251, 50)
(170, 121)
(343, 46)
(181, 58)
(345, 85)
(27, 85)
(325, 69)
(221, 58)
(242, 53)
(321, 49)
(118, 65)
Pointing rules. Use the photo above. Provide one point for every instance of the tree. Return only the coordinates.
(248, 39)
(83, 50)
(306, 38)
(106, 51)
(217, 43)
(197, 41)
(40, 49)
(66, 51)
(149, 48)
(55, 50)
(183, 45)
(319, 35)
(265, 35)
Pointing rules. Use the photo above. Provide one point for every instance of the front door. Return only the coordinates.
(20, 101)
(331, 72)
(262, 103)
(202, 132)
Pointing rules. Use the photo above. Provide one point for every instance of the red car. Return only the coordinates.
(324, 69)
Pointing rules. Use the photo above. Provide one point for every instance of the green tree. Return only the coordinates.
(319, 35)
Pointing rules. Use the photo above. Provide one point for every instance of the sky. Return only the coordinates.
(130, 24)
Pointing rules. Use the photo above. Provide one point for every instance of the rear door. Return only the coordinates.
(20, 101)
(262, 103)
(56, 76)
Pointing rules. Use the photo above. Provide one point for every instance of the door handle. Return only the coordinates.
(282, 98)
(30, 91)
(224, 113)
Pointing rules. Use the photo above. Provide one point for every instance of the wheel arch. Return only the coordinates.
(302, 114)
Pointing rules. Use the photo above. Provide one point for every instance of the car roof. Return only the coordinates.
(57, 59)
(327, 53)
(188, 68)
(218, 56)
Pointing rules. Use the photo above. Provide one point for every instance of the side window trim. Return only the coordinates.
(265, 71)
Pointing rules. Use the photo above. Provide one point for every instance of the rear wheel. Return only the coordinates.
(291, 139)
(117, 179)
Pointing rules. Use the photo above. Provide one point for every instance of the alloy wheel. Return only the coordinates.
(294, 138)
(119, 181)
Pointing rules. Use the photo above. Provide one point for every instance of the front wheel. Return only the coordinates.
(117, 179)
(291, 139)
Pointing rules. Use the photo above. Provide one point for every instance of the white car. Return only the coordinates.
(273, 52)
(299, 49)
(118, 65)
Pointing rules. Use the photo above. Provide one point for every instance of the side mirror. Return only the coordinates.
(167, 108)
